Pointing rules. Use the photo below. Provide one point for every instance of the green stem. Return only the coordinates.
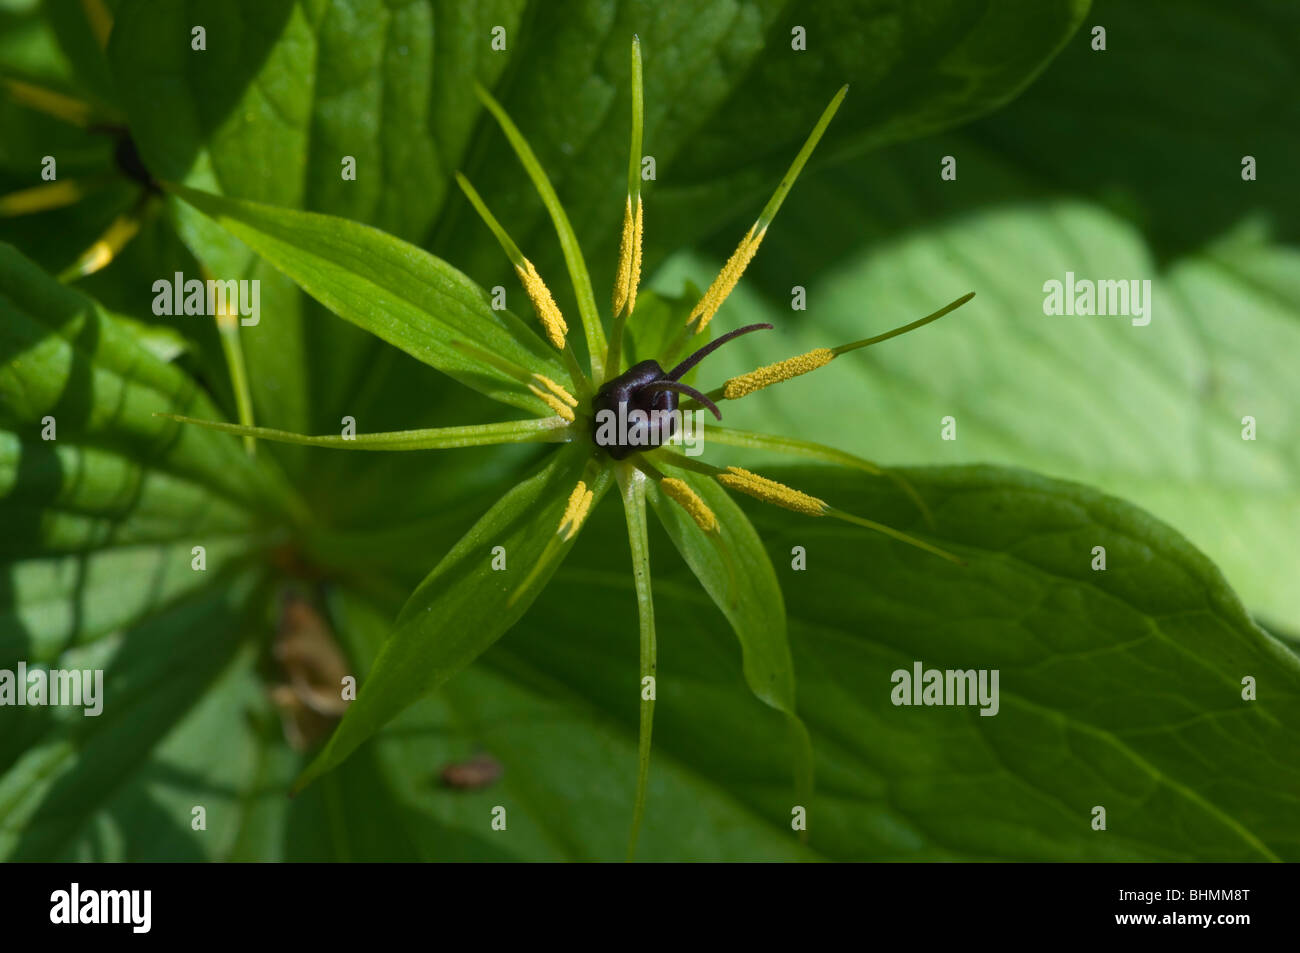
(632, 484)
(228, 326)
(919, 322)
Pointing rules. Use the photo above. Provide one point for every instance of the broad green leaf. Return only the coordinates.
(1153, 413)
(62, 356)
(103, 502)
(1107, 679)
(394, 290)
(1175, 103)
(465, 604)
(569, 768)
(390, 101)
(735, 571)
(87, 784)
(723, 88)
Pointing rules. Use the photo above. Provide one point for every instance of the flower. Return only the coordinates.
(640, 459)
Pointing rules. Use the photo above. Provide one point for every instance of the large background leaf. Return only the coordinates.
(1154, 413)
(1104, 713)
(1108, 679)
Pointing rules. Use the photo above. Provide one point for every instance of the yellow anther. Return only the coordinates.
(556, 389)
(576, 511)
(49, 102)
(727, 278)
(738, 387)
(769, 491)
(42, 198)
(680, 492)
(553, 402)
(628, 275)
(547, 310)
(100, 20)
(98, 255)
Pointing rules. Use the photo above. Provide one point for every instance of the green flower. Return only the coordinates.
(464, 604)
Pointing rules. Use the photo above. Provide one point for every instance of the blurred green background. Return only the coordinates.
(1117, 163)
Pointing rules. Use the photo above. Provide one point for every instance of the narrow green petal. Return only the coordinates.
(502, 236)
(632, 484)
(787, 181)
(735, 570)
(518, 259)
(591, 326)
(536, 430)
(895, 534)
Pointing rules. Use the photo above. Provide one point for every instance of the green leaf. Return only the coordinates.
(735, 571)
(1107, 679)
(64, 357)
(394, 290)
(75, 787)
(103, 501)
(569, 768)
(1154, 413)
(1164, 99)
(393, 99)
(465, 604)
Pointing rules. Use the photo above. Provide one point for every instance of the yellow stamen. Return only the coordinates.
(100, 20)
(769, 491)
(636, 260)
(556, 389)
(555, 403)
(547, 310)
(121, 231)
(227, 319)
(680, 492)
(628, 275)
(42, 198)
(738, 387)
(49, 102)
(576, 511)
(727, 278)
